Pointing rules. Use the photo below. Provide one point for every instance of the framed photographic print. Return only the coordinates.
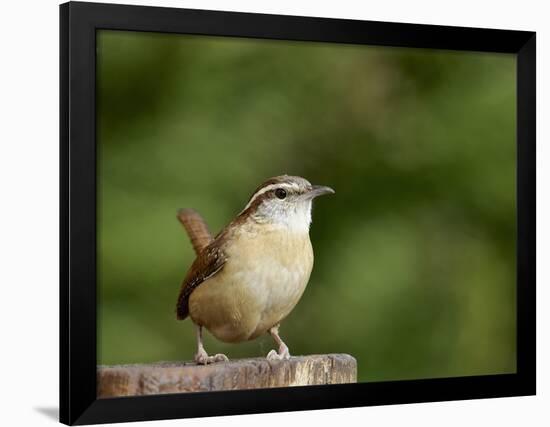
(268, 213)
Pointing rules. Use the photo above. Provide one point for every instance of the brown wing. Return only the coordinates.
(208, 262)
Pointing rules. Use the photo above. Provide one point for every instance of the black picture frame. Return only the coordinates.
(78, 25)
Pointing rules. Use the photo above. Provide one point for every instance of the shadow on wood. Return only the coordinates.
(183, 377)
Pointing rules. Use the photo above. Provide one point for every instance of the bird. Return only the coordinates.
(247, 279)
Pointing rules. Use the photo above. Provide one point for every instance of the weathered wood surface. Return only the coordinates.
(182, 377)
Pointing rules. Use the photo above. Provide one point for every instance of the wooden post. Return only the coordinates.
(182, 377)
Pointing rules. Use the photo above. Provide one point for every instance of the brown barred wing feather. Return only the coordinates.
(209, 262)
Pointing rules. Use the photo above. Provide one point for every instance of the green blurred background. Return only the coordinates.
(415, 254)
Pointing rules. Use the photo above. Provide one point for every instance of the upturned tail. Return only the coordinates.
(196, 228)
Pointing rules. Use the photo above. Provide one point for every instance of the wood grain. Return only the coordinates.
(183, 377)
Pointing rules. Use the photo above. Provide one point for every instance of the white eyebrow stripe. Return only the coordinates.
(269, 188)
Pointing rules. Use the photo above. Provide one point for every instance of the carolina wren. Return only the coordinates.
(249, 277)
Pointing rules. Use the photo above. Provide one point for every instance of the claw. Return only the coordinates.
(202, 358)
(282, 354)
(221, 358)
(273, 355)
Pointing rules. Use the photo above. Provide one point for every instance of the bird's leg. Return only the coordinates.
(283, 353)
(202, 357)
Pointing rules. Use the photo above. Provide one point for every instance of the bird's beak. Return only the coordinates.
(318, 190)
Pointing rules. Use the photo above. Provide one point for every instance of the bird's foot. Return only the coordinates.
(282, 354)
(202, 358)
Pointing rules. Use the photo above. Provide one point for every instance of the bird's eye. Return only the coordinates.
(280, 193)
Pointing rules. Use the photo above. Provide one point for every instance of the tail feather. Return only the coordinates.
(200, 237)
(196, 229)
